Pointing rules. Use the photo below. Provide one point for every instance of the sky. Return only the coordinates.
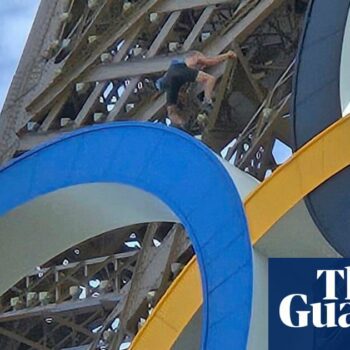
(16, 19)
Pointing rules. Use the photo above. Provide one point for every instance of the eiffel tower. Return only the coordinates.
(90, 62)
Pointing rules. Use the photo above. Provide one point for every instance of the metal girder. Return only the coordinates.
(148, 66)
(262, 129)
(96, 265)
(261, 146)
(75, 326)
(226, 78)
(129, 69)
(256, 86)
(135, 298)
(197, 28)
(54, 112)
(178, 5)
(248, 21)
(191, 38)
(41, 28)
(31, 140)
(153, 262)
(103, 302)
(151, 277)
(32, 71)
(21, 339)
(86, 322)
(134, 292)
(149, 110)
(72, 74)
(156, 45)
(221, 92)
(239, 31)
(96, 93)
(159, 64)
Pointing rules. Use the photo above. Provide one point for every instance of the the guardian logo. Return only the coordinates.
(309, 304)
(327, 310)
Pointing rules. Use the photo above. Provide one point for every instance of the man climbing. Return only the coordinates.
(189, 69)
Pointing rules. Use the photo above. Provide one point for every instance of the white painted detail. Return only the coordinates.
(344, 79)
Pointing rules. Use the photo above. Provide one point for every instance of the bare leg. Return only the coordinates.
(174, 116)
(209, 82)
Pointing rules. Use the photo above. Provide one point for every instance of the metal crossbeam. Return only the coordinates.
(179, 5)
(96, 93)
(158, 64)
(197, 28)
(257, 88)
(49, 95)
(75, 326)
(85, 323)
(153, 264)
(134, 292)
(54, 112)
(22, 340)
(106, 302)
(156, 45)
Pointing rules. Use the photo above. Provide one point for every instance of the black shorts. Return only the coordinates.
(178, 74)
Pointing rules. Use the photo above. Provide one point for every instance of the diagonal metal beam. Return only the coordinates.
(130, 69)
(54, 112)
(156, 45)
(98, 90)
(176, 236)
(283, 108)
(49, 95)
(86, 322)
(146, 245)
(75, 326)
(105, 301)
(221, 92)
(21, 339)
(237, 33)
(197, 28)
(244, 62)
(178, 5)
(206, 14)
(152, 276)
(41, 27)
(140, 268)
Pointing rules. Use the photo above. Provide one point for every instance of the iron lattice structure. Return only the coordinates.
(93, 61)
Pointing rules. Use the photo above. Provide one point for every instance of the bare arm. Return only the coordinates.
(213, 61)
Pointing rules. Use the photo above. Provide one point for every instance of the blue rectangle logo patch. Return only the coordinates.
(309, 304)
